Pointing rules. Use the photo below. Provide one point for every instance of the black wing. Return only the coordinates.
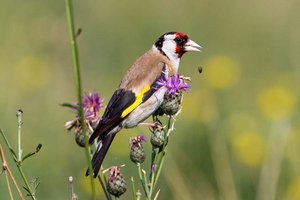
(120, 100)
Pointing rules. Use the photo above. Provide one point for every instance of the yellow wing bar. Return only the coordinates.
(137, 102)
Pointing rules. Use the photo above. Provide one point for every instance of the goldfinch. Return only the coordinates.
(138, 96)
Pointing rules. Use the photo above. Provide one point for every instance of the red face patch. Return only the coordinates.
(180, 40)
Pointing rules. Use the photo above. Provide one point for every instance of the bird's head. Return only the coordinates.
(175, 44)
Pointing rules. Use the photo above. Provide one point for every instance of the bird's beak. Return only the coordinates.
(192, 46)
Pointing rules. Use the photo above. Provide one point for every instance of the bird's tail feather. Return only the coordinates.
(100, 153)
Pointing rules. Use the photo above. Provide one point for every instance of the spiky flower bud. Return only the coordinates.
(137, 153)
(116, 184)
(79, 138)
(158, 135)
(171, 103)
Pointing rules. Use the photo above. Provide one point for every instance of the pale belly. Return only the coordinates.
(143, 111)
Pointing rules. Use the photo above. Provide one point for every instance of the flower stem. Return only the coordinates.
(133, 189)
(75, 59)
(145, 186)
(5, 165)
(28, 187)
(19, 161)
(107, 195)
(19, 116)
(159, 157)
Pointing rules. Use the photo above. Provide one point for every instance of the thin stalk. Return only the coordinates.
(19, 116)
(146, 189)
(5, 165)
(31, 193)
(161, 155)
(71, 187)
(75, 59)
(133, 189)
(8, 185)
(18, 160)
(107, 195)
(146, 184)
(152, 173)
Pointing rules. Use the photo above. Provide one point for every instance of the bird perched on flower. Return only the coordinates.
(138, 95)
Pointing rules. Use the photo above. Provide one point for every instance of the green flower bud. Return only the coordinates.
(171, 103)
(116, 184)
(137, 154)
(157, 136)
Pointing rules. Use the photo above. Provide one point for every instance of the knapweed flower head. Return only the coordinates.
(137, 140)
(137, 153)
(116, 184)
(91, 104)
(158, 135)
(174, 84)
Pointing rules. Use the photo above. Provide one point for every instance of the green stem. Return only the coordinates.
(133, 189)
(19, 116)
(145, 187)
(152, 175)
(75, 59)
(28, 187)
(17, 160)
(161, 156)
(107, 195)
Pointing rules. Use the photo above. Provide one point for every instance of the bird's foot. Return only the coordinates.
(149, 124)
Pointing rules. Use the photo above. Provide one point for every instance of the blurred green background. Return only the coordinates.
(238, 135)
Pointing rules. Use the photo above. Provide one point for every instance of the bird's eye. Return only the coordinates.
(180, 41)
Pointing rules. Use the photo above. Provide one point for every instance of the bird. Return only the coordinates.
(137, 96)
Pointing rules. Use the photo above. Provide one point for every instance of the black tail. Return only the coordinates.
(100, 153)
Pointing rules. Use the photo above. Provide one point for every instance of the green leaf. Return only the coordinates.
(27, 190)
(37, 149)
(13, 153)
(69, 105)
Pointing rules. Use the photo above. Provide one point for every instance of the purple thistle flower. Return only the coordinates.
(173, 84)
(137, 140)
(92, 104)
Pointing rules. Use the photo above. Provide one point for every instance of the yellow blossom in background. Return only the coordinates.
(293, 191)
(276, 102)
(249, 148)
(238, 122)
(199, 106)
(221, 72)
(31, 73)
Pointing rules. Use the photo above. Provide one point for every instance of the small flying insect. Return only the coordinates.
(200, 70)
